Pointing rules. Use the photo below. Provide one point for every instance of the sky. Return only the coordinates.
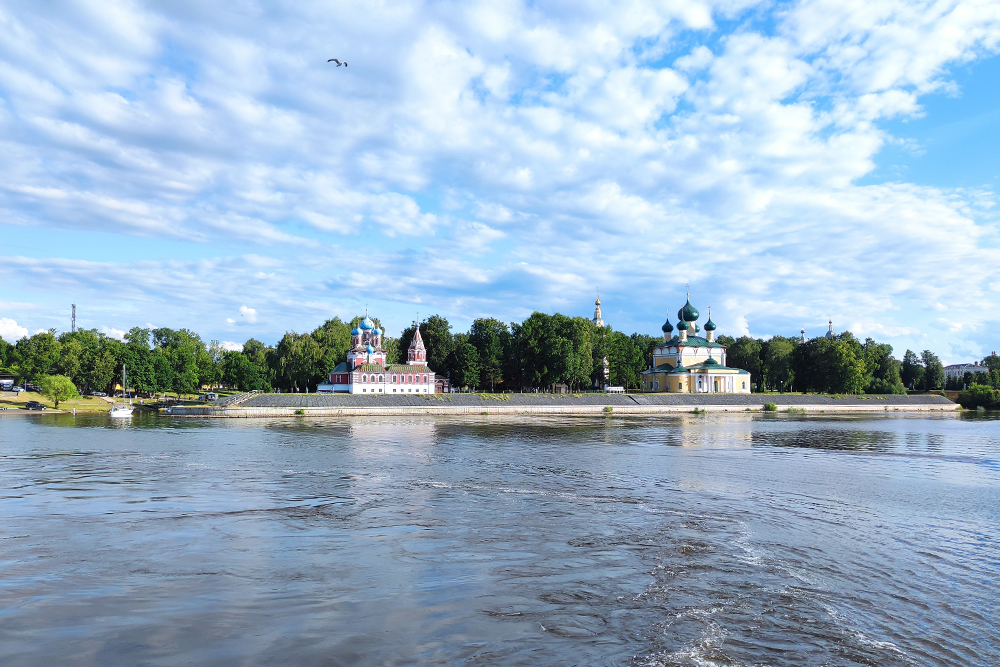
(202, 165)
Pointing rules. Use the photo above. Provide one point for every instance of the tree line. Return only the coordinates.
(540, 352)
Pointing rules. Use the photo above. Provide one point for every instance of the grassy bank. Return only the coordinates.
(12, 401)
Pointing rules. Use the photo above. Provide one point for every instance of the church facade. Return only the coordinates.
(366, 370)
(688, 363)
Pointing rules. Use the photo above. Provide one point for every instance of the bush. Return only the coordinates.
(979, 396)
(770, 407)
(881, 386)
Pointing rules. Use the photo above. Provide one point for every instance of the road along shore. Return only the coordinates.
(340, 405)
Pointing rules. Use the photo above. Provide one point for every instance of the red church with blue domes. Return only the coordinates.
(366, 371)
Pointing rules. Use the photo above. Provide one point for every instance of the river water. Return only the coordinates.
(688, 540)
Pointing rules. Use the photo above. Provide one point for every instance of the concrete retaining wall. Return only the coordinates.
(580, 410)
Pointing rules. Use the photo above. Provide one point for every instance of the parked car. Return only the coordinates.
(97, 393)
(34, 405)
(18, 388)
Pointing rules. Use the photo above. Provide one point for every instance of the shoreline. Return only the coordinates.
(311, 405)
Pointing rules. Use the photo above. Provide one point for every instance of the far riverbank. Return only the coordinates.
(292, 405)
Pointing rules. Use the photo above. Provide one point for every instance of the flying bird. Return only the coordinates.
(334, 60)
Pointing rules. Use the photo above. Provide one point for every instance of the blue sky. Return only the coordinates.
(181, 165)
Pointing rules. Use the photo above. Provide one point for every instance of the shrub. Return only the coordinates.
(979, 396)
(770, 407)
(300, 412)
(608, 408)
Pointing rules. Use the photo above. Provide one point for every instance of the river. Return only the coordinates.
(685, 540)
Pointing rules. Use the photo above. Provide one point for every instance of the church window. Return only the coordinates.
(393, 378)
(364, 378)
(381, 378)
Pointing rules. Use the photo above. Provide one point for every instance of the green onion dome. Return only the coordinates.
(667, 327)
(710, 325)
(682, 325)
(688, 313)
(697, 328)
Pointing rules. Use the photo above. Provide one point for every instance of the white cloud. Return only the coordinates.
(111, 332)
(11, 331)
(230, 346)
(248, 315)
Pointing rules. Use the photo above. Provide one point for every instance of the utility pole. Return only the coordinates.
(74, 318)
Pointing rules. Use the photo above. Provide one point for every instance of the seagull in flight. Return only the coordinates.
(334, 60)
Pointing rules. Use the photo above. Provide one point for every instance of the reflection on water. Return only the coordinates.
(689, 540)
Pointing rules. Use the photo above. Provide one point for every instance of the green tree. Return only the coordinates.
(492, 341)
(933, 370)
(830, 365)
(885, 370)
(465, 365)
(626, 360)
(392, 353)
(435, 331)
(257, 353)
(6, 353)
(163, 371)
(58, 388)
(334, 339)
(776, 362)
(71, 360)
(38, 355)
(912, 370)
(297, 362)
(745, 352)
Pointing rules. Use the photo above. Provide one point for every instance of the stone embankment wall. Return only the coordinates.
(287, 405)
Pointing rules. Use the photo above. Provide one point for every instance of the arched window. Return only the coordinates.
(393, 378)
(364, 378)
(410, 379)
(381, 378)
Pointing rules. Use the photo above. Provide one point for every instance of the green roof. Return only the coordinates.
(369, 368)
(406, 368)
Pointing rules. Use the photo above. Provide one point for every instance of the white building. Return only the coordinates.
(959, 370)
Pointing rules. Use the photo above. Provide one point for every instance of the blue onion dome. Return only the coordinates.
(689, 313)
(367, 323)
(371, 350)
(355, 331)
(667, 327)
(710, 325)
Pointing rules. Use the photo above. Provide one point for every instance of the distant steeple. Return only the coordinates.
(829, 333)
(416, 355)
(598, 320)
(803, 334)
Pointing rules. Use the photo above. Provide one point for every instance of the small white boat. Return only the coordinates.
(121, 410)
